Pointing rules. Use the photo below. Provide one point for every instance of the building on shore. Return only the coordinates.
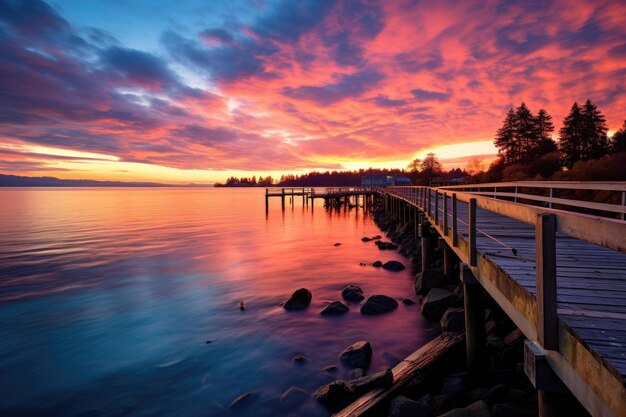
(384, 180)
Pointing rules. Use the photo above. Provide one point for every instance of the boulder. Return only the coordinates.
(337, 244)
(339, 394)
(293, 397)
(243, 401)
(366, 239)
(356, 373)
(436, 303)
(453, 320)
(452, 387)
(408, 301)
(331, 369)
(385, 245)
(393, 266)
(299, 300)
(377, 264)
(335, 308)
(358, 355)
(378, 304)
(352, 293)
(511, 410)
(477, 409)
(404, 407)
(427, 280)
(299, 358)
(514, 338)
(377, 237)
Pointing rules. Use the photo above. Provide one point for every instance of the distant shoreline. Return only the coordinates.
(13, 181)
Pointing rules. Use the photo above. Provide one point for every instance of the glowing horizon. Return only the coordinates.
(203, 92)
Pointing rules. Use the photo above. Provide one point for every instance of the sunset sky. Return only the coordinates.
(196, 91)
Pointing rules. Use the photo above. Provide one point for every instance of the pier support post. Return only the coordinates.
(473, 299)
(425, 245)
(267, 200)
(282, 198)
(449, 259)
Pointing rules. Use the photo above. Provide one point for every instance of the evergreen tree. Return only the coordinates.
(544, 128)
(618, 141)
(505, 139)
(525, 134)
(595, 129)
(571, 141)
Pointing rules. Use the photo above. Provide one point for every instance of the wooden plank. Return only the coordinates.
(416, 365)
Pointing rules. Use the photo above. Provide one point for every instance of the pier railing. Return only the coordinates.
(537, 317)
(607, 199)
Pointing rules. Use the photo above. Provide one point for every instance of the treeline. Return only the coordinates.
(334, 178)
(247, 182)
(583, 151)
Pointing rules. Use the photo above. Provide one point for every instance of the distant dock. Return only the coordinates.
(332, 196)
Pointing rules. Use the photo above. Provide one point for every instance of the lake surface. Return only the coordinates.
(108, 298)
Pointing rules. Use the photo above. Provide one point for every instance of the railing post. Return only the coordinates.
(445, 214)
(455, 228)
(472, 231)
(436, 208)
(428, 202)
(623, 204)
(550, 202)
(547, 321)
(515, 198)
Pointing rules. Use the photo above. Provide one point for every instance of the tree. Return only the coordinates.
(583, 135)
(544, 128)
(431, 167)
(618, 141)
(525, 134)
(475, 166)
(571, 141)
(505, 139)
(414, 166)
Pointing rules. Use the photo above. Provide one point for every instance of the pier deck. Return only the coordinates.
(563, 285)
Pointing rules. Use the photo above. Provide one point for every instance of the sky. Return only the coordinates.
(197, 91)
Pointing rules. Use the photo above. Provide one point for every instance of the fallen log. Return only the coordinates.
(414, 368)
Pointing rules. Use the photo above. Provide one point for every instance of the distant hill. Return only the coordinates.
(18, 181)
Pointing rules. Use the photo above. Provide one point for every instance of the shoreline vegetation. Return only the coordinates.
(442, 385)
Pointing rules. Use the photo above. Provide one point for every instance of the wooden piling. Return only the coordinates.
(473, 299)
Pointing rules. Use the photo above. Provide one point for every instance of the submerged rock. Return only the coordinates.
(299, 358)
(352, 293)
(356, 373)
(366, 239)
(408, 301)
(293, 397)
(378, 304)
(404, 407)
(243, 401)
(436, 303)
(377, 264)
(335, 308)
(337, 244)
(299, 300)
(358, 355)
(393, 266)
(385, 245)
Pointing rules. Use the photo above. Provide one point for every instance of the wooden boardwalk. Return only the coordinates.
(585, 339)
(336, 195)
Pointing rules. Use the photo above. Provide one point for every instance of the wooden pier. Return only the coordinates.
(557, 270)
(334, 196)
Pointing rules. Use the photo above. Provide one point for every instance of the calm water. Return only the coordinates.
(108, 297)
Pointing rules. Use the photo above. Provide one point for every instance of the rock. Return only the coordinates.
(511, 410)
(377, 237)
(339, 394)
(496, 394)
(331, 369)
(453, 320)
(337, 244)
(427, 280)
(436, 303)
(477, 409)
(335, 308)
(293, 397)
(474, 395)
(518, 396)
(393, 266)
(385, 245)
(356, 373)
(408, 301)
(431, 403)
(378, 304)
(299, 300)
(514, 338)
(494, 342)
(366, 239)
(367, 383)
(404, 407)
(452, 387)
(377, 264)
(243, 401)
(352, 293)
(358, 355)
(299, 358)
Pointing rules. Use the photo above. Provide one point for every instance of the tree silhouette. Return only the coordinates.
(505, 139)
(618, 141)
(583, 135)
(544, 128)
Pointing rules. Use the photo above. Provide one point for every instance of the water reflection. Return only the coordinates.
(108, 297)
